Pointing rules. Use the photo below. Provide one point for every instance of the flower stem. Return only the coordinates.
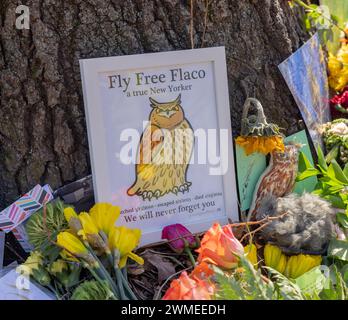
(127, 287)
(189, 253)
(120, 284)
(103, 272)
(124, 272)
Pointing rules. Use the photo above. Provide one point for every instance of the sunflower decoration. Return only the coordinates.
(257, 135)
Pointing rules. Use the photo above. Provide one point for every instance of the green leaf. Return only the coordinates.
(312, 282)
(307, 173)
(307, 23)
(332, 154)
(336, 201)
(287, 289)
(321, 158)
(345, 170)
(339, 174)
(334, 18)
(334, 189)
(342, 219)
(338, 249)
(303, 163)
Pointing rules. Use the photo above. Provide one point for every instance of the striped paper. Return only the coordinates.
(24, 207)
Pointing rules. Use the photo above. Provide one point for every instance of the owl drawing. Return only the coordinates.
(278, 179)
(164, 152)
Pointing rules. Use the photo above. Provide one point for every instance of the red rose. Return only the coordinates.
(339, 105)
(179, 237)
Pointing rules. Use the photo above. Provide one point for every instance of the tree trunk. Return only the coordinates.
(42, 125)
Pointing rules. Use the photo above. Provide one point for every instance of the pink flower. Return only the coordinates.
(179, 237)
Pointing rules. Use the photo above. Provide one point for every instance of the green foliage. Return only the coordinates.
(342, 219)
(337, 288)
(251, 285)
(93, 290)
(316, 19)
(42, 229)
(243, 286)
(332, 180)
(285, 288)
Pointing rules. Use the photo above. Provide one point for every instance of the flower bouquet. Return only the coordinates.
(83, 256)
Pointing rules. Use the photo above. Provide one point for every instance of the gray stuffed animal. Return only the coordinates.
(306, 228)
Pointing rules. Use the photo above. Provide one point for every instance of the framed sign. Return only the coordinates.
(160, 138)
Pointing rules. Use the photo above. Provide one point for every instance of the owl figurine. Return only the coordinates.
(278, 179)
(164, 152)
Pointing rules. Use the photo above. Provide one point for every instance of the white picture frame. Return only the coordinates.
(93, 72)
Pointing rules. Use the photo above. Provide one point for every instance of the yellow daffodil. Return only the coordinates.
(90, 233)
(262, 144)
(104, 216)
(33, 262)
(69, 213)
(300, 264)
(88, 225)
(250, 251)
(274, 258)
(72, 244)
(124, 241)
(73, 220)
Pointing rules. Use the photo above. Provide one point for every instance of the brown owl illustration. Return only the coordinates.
(278, 179)
(164, 152)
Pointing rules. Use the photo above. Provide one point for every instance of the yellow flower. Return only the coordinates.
(73, 220)
(33, 262)
(58, 266)
(104, 216)
(124, 240)
(262, 144)
(300, 264)
(334, 65)
(88, 225)
(338, 69)
(250, 251)
(72, 244)
(274, 258)
(69, 213)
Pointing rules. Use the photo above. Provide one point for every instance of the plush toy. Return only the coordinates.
(307, 226)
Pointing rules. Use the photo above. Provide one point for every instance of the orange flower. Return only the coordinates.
(187, 288)
(202, 271)
(220, 247)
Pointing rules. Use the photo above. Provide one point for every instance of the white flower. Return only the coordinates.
(340, 129)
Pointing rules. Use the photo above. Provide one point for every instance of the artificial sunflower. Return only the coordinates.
(262, 145)
(257, 135)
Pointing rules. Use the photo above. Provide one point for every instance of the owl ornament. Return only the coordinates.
(164, 152)
(278, 179)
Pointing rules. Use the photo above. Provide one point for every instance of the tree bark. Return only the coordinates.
(42, 125)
